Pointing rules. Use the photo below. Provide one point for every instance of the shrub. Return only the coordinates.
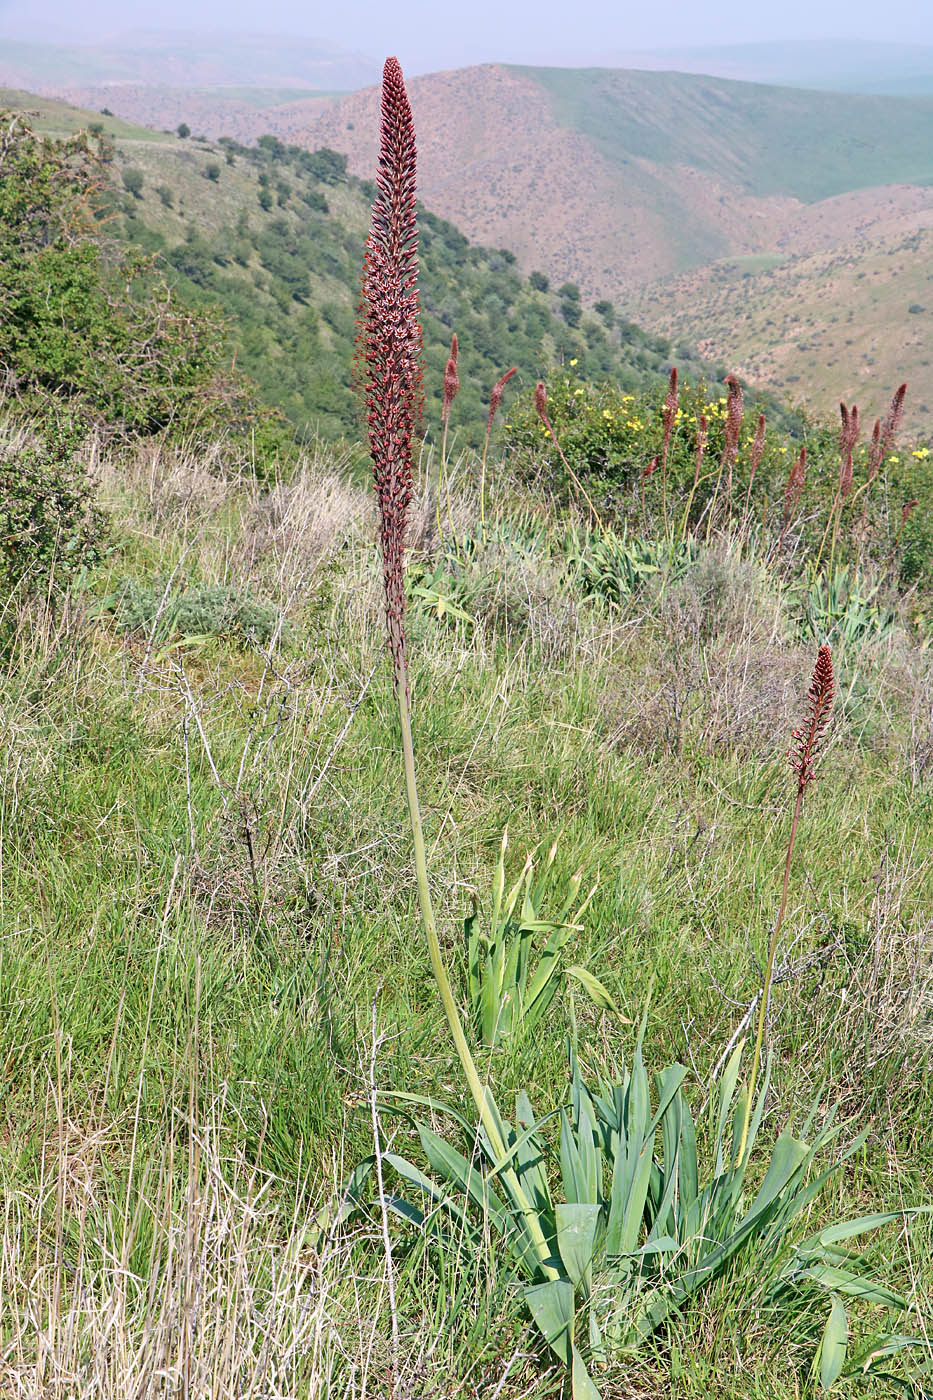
(93, 325)
(133, 181)
(200, 610)
(50, 527)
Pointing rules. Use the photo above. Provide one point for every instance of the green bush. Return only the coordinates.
(50, 526)
(92, 324)
(198, 610)
(133, 181)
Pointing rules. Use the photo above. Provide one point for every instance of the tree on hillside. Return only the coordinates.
(133, 181)
(183, 130)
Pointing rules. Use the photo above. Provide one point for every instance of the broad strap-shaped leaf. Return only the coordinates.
(577, 1227)
(458, 1170)
(581, 1382)
(727, 1083)
(834, 1345)
(551, 1307)
(529, 1153)
(596, 991)
(853, 1285)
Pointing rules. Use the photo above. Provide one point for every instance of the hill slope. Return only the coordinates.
(851, 318)
(625, 180)
(616, 178)
(275, 234)
(840, 64)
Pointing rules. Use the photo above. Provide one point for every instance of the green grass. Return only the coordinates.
(206, 885)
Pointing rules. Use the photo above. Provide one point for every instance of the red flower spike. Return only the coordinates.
(806, 741)
(541, 403)
(735, 409)
(848, 437)
(669, 412)
(495, 398)
(451, 378)
(390, 342)
(882, 438)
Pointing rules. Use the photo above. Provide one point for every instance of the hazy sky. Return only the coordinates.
(443, 33)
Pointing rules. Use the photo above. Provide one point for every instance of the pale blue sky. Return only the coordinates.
(444, 33)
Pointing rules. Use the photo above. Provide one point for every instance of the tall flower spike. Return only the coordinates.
(882, 438)
(702, 439)
(669, 412)
(795, 483)
(541, 404)
(451, 378)
(541, 408)
(805, 742)
(848, 437)
(495, 398)
(735, 408)
(390, 336)
(792, 491)
(758, 449)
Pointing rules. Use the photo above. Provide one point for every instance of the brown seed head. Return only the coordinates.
(650, 469)
(906, 510)
(541, 403)
(805, 741)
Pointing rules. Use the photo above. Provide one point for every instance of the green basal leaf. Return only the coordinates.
(581, 1383)
(834, 1345)
(551, 1307)
(596, 992)
(577, 1226)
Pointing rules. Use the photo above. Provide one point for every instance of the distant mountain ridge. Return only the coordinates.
(624, 180)
(185, 60)
(837, 65)
(615, 178)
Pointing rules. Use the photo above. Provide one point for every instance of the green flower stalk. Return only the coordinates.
(390, 350)
(805, 748)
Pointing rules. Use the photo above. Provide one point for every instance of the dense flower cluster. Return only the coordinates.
(805, 742)
(390, 335)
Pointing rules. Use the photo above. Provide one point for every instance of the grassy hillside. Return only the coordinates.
(840, 64)
(238, 1152)
(622, 178)
(859, 313)
(53, 117)
(207, 916)
(288, 276)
